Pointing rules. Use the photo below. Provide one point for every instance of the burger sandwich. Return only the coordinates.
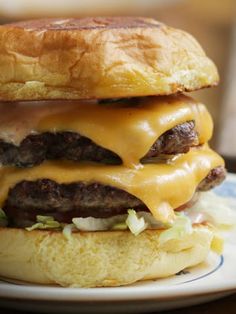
(105, 163)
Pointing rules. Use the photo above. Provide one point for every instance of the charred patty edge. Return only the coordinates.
(27, 199)
(36, 148)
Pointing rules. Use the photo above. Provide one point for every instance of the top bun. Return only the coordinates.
(99, 58)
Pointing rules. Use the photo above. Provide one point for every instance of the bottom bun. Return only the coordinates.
(93, 259)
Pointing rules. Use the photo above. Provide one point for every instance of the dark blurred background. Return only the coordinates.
(212, 22)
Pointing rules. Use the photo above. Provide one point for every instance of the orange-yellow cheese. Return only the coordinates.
(127, 128)
(161, 187)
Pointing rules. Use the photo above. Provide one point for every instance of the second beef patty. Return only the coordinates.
(65, 201)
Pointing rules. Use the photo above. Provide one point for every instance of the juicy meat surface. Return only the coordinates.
(214, 178)
(34, 149)
(175, 141)
(65, 201)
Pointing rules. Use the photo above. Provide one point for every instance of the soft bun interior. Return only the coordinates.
(93, 259)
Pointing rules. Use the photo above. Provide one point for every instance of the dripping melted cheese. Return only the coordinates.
(161, 187)
(128, 128)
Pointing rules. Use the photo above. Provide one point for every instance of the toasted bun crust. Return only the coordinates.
(99, 58)
(94, 259)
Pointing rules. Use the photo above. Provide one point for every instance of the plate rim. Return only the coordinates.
(152, 297)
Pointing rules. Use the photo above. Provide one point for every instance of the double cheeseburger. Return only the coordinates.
(102, 155)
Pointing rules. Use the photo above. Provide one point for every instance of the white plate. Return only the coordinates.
(210, 280)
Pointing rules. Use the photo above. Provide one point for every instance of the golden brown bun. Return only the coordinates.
(99, 58)
(92, 259)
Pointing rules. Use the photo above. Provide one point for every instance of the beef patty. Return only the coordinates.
(34, 149)
(65, 201)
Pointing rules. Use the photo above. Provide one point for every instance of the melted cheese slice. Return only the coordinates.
(161, 187)
(128, 128)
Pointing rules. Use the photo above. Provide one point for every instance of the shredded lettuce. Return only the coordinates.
(67, 231)
(217, 243)
(37, 225)
(120, 226)
(135, 224)
(152, 223)
(114, 223)
(3, 219)
(216, 210)
(210, 207)
(44, 219)
(181, 227)
(45, 222)
(97, 224)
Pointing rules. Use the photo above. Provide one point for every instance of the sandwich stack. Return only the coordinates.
(102, 154)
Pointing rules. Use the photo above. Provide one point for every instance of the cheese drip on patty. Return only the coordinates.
(128, 128)
(161, 187)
